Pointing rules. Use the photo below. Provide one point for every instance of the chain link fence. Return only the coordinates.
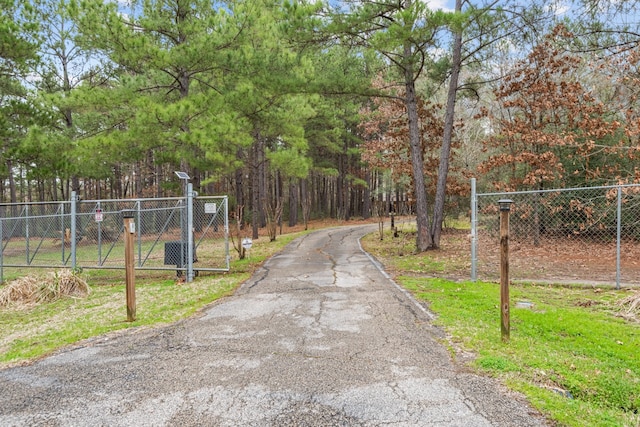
(89, 234)
(580, 235)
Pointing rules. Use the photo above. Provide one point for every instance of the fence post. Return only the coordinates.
(189, 232)
(129, 230)
(618, 236)
(73, 229)
(505, 207)
(474, 224)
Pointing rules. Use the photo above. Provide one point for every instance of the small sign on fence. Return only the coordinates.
(210, 208)
(98, 215)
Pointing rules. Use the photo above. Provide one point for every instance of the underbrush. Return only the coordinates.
(30, 290)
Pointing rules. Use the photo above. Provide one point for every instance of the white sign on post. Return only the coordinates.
(98, 215)
(247, 243)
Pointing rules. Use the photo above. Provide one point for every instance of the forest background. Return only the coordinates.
(334, 109)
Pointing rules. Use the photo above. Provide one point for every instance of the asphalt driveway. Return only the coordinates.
(319, 336)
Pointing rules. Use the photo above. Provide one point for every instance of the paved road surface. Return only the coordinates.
(318, 337)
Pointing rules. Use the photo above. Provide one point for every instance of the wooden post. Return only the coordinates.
(505, 327)
(129, 231)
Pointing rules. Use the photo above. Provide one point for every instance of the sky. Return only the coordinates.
(440, 4)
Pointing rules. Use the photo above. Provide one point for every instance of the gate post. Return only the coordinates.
(190, 232)
(74, 200)
(139, 232)
(1, 252)
(226, 232)
(26, 231)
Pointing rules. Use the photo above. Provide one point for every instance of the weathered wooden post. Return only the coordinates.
(129, 231)
(505, 208)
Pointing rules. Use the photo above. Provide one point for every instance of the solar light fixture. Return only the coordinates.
(182, 175)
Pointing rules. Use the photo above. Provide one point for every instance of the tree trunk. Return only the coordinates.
(53, 190)
(263, 190)
(323, 202)
(159, 178)
(13, 195)
(366, 197)
(117, 178)
(340, 192)
(258, 192)
(293, 202)
(306, 202)
(445, 153)
(255, 191)
(138, 179)
(75, 183)
(423, 238)
(239, 180)
(22, 184)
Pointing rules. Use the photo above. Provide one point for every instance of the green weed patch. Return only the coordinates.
(570, 353)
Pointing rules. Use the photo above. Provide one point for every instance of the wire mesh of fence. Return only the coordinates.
(578, 235)
(89, 234)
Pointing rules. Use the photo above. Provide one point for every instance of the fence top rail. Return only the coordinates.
(154, 199)
(559, 190)
(59, 202)
(106, 201)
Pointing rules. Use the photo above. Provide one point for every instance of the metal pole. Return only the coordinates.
(226, 230)
(1, 253)
(73, 229)
(505, 327)
(61, 209)
(474, 231)
(183, 228)
(139, 231)
(26, 230)
(189, 232)
(99, 208)
(618, 236)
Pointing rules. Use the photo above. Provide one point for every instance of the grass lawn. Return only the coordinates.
(570, 353)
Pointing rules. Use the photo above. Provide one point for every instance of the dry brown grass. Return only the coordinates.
(31, 290)
(630, 307)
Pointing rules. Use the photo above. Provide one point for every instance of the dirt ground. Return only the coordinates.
(566, 260)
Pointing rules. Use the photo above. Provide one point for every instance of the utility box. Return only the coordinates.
(175, 253)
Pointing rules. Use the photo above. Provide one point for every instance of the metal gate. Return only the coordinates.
(183, 234)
